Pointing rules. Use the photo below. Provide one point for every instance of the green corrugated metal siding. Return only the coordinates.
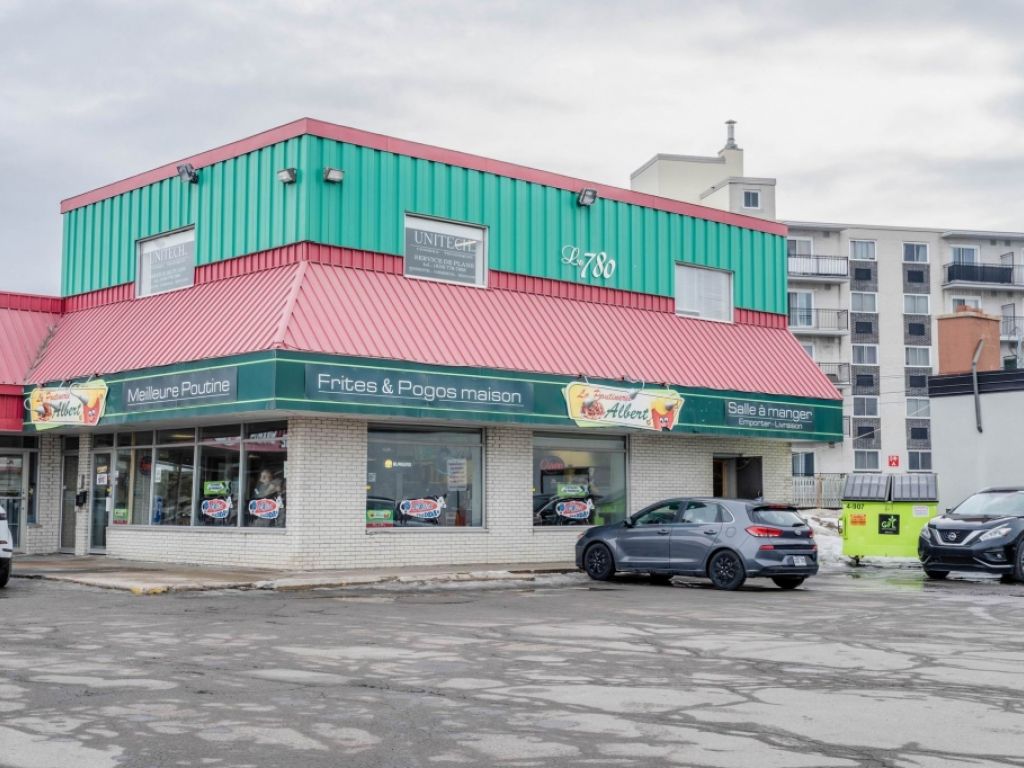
(242, 208)
(237, 207)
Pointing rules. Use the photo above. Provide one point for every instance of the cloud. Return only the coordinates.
(869, 112)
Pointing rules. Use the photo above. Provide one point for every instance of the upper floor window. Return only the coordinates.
(752, 199)
(863, 250)
(799, 246)
(916, 253)
(864, 302)
(704, 292)
(919, 357)
(445, 251)
(166, 263)
(965, 254)
(966, 301)
(916, 304)
(865, 354)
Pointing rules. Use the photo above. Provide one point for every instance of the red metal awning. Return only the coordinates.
(24, 326)
(343, 311)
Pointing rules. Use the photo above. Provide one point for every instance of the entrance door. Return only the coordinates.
(13, 491)
(67, 504)
(102, 474)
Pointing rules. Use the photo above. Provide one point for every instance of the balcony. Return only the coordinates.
(818, 322)
(1011, 328)
(837, 373)
(819, 269)
(999, 276)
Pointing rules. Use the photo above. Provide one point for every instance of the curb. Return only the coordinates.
(301, 583)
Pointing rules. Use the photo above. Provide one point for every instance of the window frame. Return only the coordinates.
(853, 353)
(618, 445)
(375, 429)
(756, 192)
(731, 292)
(140, 243)
(965, 301)
(911, 454)
(801, 458)
(873, 294)
(864, 452)
(916, 244)
(928, 407)
(874, 249)
(927, 300)
(483, 268)
(906, 356)
(796, 238)
(954, 249)
(864, 400)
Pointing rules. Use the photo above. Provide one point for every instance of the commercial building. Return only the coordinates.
(863, 301)
(321, 347)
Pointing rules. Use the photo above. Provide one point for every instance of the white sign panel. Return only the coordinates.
(445, 251)
(166, 263)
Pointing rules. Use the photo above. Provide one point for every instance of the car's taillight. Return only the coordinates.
(810, 532)
(764, 532)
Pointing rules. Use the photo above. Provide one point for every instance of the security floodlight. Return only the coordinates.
(188, 174)
(587, 197)
(334, 175)
(286, 175)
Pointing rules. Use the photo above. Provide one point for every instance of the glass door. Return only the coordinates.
(13, 491)
(102, 474)
(67, 504)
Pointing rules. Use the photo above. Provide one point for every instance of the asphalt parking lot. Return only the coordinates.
(870, 668)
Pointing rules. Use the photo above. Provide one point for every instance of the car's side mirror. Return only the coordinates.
(628, 522)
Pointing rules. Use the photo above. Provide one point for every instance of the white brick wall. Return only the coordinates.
(327, 490)
(44, 535)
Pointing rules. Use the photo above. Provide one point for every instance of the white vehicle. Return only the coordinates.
(6, 549)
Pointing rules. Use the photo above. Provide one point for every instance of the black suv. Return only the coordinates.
(983, 534)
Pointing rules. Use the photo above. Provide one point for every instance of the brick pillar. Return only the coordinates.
(508, 457)
(43, 536)
(84, 480)
(326, 491)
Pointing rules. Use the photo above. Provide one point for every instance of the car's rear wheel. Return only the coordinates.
(598, 562)
(661, 578)
(726, 570)
(5, 572)
(788, 582)
(937, 575)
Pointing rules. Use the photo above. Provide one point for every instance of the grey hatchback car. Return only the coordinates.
(725, 540)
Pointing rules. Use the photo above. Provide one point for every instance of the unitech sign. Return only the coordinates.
(177, 390)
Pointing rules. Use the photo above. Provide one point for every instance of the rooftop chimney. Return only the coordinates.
(959, 334)
(730, 142)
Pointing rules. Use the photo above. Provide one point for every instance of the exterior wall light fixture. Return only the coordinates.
(587, 197)
(334, 175)
(188, 174)
(286, 175)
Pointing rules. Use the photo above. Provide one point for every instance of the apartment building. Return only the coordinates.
(863, 301)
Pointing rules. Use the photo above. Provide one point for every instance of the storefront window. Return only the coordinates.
(578, 480)
(220, 462)
(266, 464)
(424, 479)
(172, 486)
(188, 477)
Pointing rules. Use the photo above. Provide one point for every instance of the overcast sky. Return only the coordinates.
(908, 113)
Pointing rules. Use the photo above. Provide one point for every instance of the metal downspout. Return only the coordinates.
(974, 381)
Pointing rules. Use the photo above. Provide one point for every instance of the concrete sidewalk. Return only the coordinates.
(157, 578)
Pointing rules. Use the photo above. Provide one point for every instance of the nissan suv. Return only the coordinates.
(983, 534)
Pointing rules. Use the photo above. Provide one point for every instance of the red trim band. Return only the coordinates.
(424, 152)
(390, 264)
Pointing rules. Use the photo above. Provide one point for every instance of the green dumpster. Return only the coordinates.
(915, 501)
(865, 510)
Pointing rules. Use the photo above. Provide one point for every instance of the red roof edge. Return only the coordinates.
(31, 302)
(12, 409)
(425, 152)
